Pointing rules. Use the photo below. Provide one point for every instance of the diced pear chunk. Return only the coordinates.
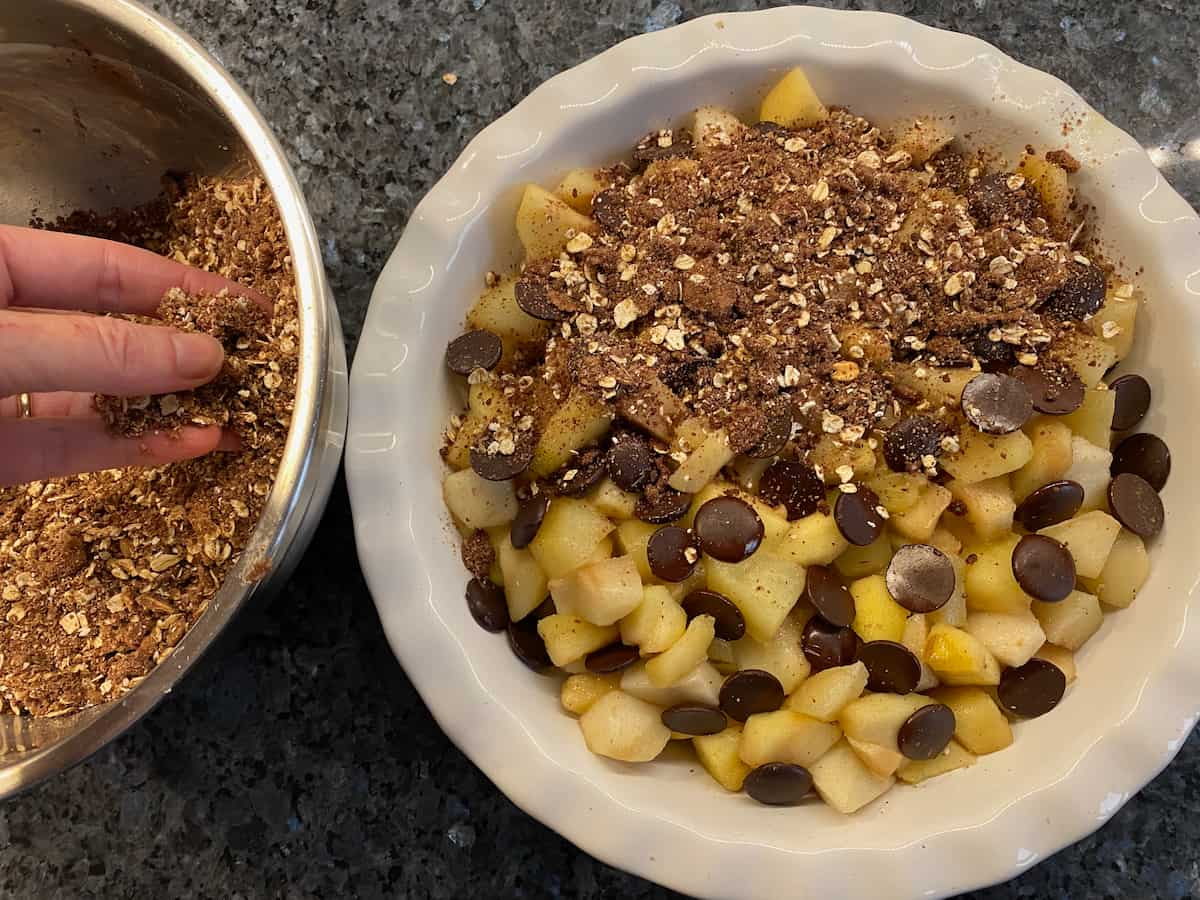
(955, 756)
(568, 536)
(1051, 456)
(782, 656)
(989, 580)
(625, 728)
(922, 139)
(702, 685)
(858, 562)
(844, 781)
(955, 611)
(785, 736)
(877, 616)
(612, 501)
(793, 103)
(876, 718)
(1050, 182)
(957, 657)
(1089, 537)
(525, 583)
(979, 725)
(920, 521)
(1070, 622)
(579, 186)
(601, 592)
(703, 464)
(579, 692)
(714, 127)
(1093, 420)
(764, 587)
(718, 753)
(633, 536)
(1121, 311)
(880, 760)
(656, 623)
(545, 223)
(1013, 638)
(497, 311)
(1124, 572)
(813, 541)
(477, 502)
(941, 387)
(569, 638)
(1089, 356)
(579, 421)
(670, 666)
(983, 456)
(823, 695)
(990, 505)
(1090, 468)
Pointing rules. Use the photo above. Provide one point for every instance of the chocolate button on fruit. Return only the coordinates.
(749, 692)
(631, 464)
(612, 658)
(910, 440)
(1050, 504)
(1052, 393)
(1133, 400)
(1144, 455)
(672, 554)
(927, 732)
(528, 645)
(534, 299)
(528, 520)
(824, 590)
(778, 784)
(826, 646)
(692, 718)
(1081, 296)
(730, 624)
(857, 515)
(1032, 689)
(997, 404)
(502, 466)
(487, 605)
(477, 349)
(891, 668)
(777, 431)
(1135, 504)
(728, 529)
(661, 505)
(582, 474)
(793, 485)
(920, 578)
(1044, 568)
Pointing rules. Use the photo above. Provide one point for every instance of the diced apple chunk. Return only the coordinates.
(876, 718)
(879, 760)
(1093, 420)
(1050, 182)
(569, 638)
(568, 536)
(579, 421)
(579, 186)
(718, 753)
(922, 139)
(764, 587)
(1059, 656)
(844, 781)
(825, 694)
(785, 736)
(1124, 572)
(625, 728)
(656, 623)
(782, 656)
(989, 580)
(955, 756)
(545, 223)
(612, 501)
(957, 657)
(702, 464)
(633, 536)
(702, 685)
(1013, 638)
(497, 311)
(918, 522)
(714, 127)
(831, 455)
(1090, 357)
(955, 611)
(1051, 456)
(1070, 622)
(601, 592)
(1089, 537)
(859, 562)
(793, 103)
(477, 502)
(898, 491)
(979, 725)
(983, 456)
(1121, 311)
(670, 666)
(990, 505)
(813, 541)
(941, 387)
(579, 692)
(525, 583)
(1090, 468)
(877, 616)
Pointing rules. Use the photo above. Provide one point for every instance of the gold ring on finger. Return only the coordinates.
(25, 406)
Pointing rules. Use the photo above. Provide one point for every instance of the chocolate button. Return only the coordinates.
(1133, 400)
(777, 432)
(910, 441)
(1043, 567)
(692, 718)
(534, 299)
(1144, 455)
(581, 474)
(826, 645)
(501, 467)
(778, 784)
(794, 485)
(662, 506)
(668, 553)
(927, 732)
(832, 600)
(528, 520)
(891, 668)
(748, 692)
(528, 645)
(1136, 504)
(612, 658)
(486, 602)
(728, 529)
(997, 404)
(1081, 296)
(857, 516)
(1050, 504)
(1055, 394)
(1032, 689)
(730, 624)
(477, 349)
(631, 464)
(920, 578)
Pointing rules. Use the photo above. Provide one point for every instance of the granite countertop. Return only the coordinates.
(302, 764)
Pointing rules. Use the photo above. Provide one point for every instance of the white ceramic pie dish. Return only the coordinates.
(1138, 690)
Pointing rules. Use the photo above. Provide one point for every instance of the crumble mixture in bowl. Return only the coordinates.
(998, 810)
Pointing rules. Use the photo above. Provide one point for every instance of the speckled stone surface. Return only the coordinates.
(302, 764)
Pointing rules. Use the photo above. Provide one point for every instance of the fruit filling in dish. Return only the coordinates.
(795, 442)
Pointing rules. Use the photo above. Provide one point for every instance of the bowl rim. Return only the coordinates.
(548, 790)
(299, 488)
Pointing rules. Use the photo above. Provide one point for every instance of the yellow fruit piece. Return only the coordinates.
(898, 491)
(979, 724)
(989, 581)
(612, 501)
(922, 139)
(545, 223)
(713, 128)
(568, 536)
(985, 456)
(1050, 182)
(764, 587)
(525, 584)
(955, 756)
(941, 387)
(877, 616)
(703, 464)
(656, 623)
(876, 718)
(958, 658)
(1070, 622)
(602, 592)
(1118, 317)
(920, 521)
(879, 760)
(857, 562)
(1088, 355)
(989, 504)
(625, 728)
(579, 692)
(718, 753)
(632, 537)
(497, 311)
(831, 454)
(684, 655)
(1061, 657)
(844, 782)
(579, 186)
(825, 694)
(479, 503)
(579, 421)
(1124, 572)
(814, 540)
(782, 656)
(1090, 538)
(793, 103)
(569, 638)
(1051, 458)
(1093, 420)
(785, 736)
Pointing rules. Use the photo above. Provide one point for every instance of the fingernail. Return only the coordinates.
(197, 356)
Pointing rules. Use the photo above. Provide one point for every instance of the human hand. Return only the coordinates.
(56, 352)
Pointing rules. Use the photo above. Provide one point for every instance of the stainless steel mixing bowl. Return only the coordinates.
(98, 99)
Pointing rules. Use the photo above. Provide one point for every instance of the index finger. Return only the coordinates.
(50, 270)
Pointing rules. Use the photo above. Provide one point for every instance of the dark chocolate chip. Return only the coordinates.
(534, 298)
(748, 692)
(829, 596)
(891, 668)
(997, 404)
(1135, 504)
(662, 505)
(1081, 296)
(778, 784)
(857, 516)
(692, 718)
(581, 474)
(910, 440)
(993, 356)
(730, 623)
(1050, 504)
(542, 610)
(728, 529)
(794, 485)
(528, 645)
(992, 201)
(777, 429)
(826, 645)
(648, 149)
(1032, 689)
(1044, 568)
(920, 578)
(927, 732)
(528, 520)
(1133, 400)
(608, 208)
(478, 349)
(501, 467)
(612, 658)
(631, 463)
(1144, 455)
(486, 602)
(668, 552)
(1052, 393)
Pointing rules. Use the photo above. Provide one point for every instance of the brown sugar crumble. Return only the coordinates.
(810, 277)
(101, 575)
